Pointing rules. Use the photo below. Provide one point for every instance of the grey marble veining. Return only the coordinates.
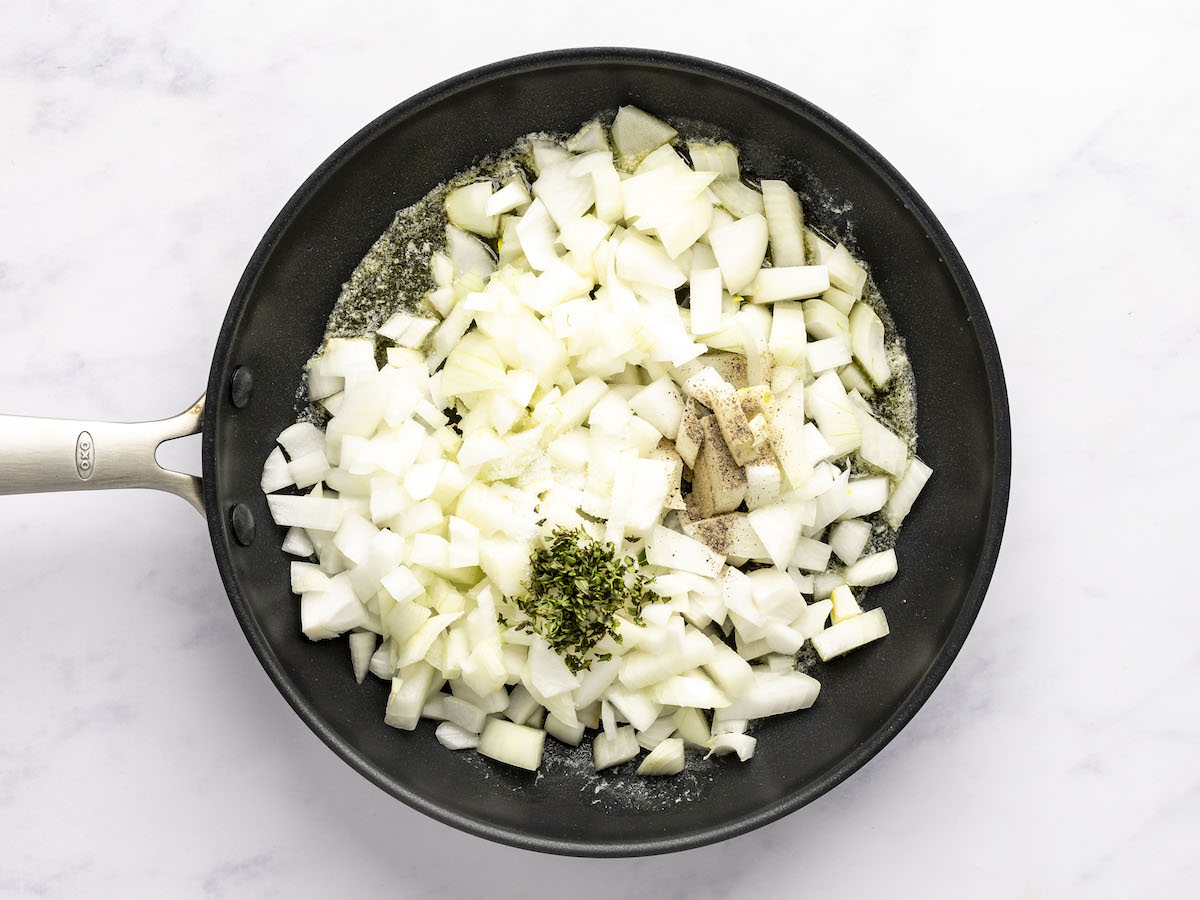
(145, 148)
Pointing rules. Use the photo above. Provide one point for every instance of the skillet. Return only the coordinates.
(275, 322)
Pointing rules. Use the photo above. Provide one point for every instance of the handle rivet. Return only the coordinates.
(242, 521)
(241, 386)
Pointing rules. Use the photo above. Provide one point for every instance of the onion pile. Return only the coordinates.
(724, 451)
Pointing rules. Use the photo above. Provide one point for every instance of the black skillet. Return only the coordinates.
(275, 321)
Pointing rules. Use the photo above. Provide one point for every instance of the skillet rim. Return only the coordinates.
(221, 536)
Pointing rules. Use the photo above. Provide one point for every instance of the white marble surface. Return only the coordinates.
(145, 148)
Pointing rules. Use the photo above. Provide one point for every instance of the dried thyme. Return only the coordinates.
(576, 588)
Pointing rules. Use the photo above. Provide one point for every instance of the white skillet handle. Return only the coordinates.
(40, 455)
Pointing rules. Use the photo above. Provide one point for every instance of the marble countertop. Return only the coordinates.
(146, 147)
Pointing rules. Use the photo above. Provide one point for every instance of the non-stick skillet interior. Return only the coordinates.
(276, 323)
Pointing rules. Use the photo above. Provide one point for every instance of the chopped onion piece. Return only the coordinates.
(320, 385)
(304, 438)
(467, 206)
(785, 223)
(719, 158)
(297, 543)
(845, 606)
(496, 701)
(452, 737)
(306, 512)
(692, 727)
(362, 648)
(589, 137)
(608, 718)
(871, 570)
(547, 153)
(740, 248)
(881, 446)
(380, 665)
(844, 273)
(729, 670)
(276, 473)
(634, 705)
(664, 759)
(417, 646)
(308, 577)
(865, 496)
(546, 672)
(866, 340)
(465, 715)
(839, 300)
(848, 539)
(521, 705)
(827, 354)
(788, 283)
(662, 729)
(778, 527)
(724, 723)
(567, 194)
(823, 321)
(468, 253)
(640, 259)
(811, 620)
(853, 379)
(693, 690)
(568, 734)
(407, 697)
(741, 200)
(741, 744)
(508, 198)
(854, 632)
(811, 555)
(636, 133)
(900, 502)
(407, 330)
(677, 551)
(514, 745)
(402, 585)
(773, 694)
(612, 749)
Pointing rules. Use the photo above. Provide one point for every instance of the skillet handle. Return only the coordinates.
(40, 455)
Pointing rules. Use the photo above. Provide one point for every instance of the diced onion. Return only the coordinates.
(515, 745)
(871, 570)
(612, 750)
(583, 396)
(902, 498)
(452, 737)
(850, 634)
(664, 759)
(636, 133)
(741, 744)
(362, 648)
